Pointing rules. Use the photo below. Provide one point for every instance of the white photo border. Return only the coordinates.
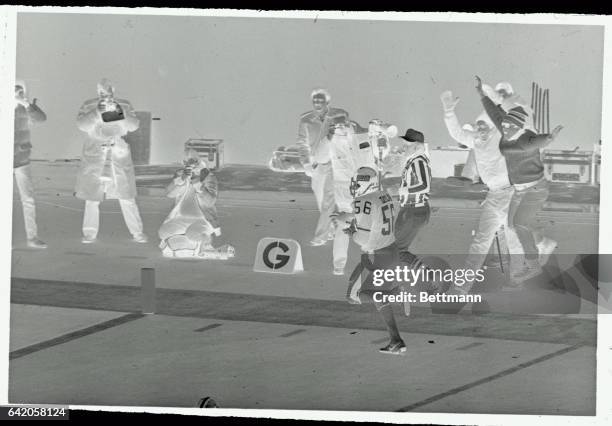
(8, 23)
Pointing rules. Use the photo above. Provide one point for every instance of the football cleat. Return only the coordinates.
(394, 348)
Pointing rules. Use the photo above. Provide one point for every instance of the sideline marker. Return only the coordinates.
(147, 290)
(279, 256)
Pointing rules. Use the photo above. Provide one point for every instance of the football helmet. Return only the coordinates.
(364, 182)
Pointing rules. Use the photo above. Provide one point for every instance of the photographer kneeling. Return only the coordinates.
(189, 228)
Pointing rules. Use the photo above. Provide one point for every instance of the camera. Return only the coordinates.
(187, 171)
(188, 167)
(111, 110)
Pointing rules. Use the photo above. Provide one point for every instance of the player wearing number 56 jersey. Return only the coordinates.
(374, 217)
(371, 227)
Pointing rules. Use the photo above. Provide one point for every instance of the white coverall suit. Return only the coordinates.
(95, 182)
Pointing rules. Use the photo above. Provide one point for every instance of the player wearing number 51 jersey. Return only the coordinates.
(371, 226)
(374, 217)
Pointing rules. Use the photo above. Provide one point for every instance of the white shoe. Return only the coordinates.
(338, 271)
(140, 238)
(88, 240)
(36, 243)
(317, 242)
(545, 248)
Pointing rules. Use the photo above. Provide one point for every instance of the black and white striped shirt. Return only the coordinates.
(416, 182)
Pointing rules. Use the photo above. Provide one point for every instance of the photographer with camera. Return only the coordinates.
(189, 228)
(107, 171)
(26, 113)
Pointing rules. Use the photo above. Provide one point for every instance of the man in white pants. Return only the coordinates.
(26, 113)
(106, 170)
(484, 140)
(313, 139)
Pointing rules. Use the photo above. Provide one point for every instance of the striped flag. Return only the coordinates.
(540, 105)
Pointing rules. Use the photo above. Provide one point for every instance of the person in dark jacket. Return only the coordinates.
(520, 147)
(26, 114)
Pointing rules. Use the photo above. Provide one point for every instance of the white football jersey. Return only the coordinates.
(374, 219)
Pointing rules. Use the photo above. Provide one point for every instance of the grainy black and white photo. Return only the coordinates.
(296, 212)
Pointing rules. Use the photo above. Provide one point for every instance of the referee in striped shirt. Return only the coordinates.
(414, 197)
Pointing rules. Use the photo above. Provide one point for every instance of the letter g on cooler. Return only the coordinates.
(278, 255)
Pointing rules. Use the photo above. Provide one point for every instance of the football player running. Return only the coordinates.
(371, 227)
